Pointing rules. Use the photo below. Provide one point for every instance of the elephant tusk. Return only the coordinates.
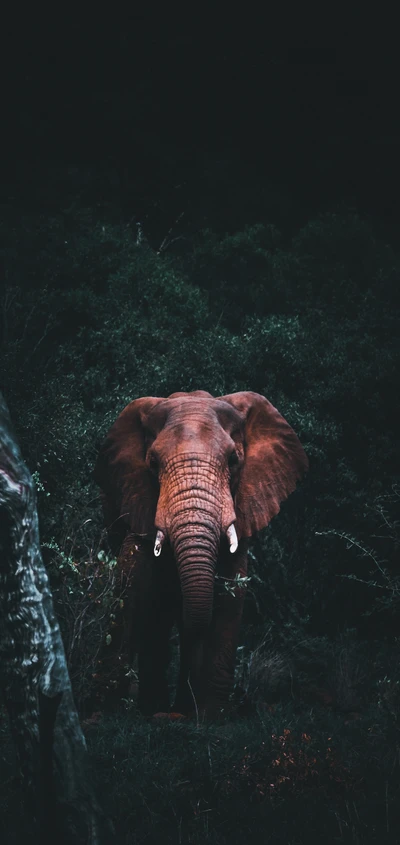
(232, 537)
(160, 537)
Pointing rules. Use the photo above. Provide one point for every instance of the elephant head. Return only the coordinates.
(198, 471)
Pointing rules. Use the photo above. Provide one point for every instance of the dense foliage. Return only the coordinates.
(93, 316)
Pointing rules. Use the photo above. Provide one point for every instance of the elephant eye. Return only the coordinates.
(233, 459)
(153, 462)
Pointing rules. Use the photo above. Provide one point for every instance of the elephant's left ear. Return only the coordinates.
(274, 461)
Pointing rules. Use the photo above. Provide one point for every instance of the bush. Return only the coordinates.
(93, 317)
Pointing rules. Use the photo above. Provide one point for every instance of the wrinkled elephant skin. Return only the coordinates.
(185, 482)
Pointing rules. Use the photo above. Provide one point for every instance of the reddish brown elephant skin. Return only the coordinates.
(190, 466)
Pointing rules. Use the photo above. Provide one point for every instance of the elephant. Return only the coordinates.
(185, 482)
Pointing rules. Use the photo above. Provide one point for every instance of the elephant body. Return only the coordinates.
(186, 481)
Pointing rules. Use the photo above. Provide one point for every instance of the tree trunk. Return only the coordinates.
(33, 671)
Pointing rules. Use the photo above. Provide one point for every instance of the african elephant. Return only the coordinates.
(185, 482)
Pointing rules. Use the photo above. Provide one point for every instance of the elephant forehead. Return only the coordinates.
(186, 411)
(199, 427)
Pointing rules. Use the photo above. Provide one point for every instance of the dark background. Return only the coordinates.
(261, 172)
(150, 102)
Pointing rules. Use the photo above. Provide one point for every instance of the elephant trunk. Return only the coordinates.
(196, 551)
(196, 548)
(194, 530)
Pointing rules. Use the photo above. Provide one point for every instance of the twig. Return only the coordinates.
(165, 243)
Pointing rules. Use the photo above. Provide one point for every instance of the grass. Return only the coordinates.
(284, 775)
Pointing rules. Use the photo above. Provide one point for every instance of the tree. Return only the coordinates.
(50, 746)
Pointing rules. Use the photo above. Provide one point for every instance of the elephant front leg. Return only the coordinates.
(190, 693)
(154, 657)
(155, 617)
(224, 634)
(119, 644)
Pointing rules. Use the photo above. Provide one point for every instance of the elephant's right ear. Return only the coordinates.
(130, 491)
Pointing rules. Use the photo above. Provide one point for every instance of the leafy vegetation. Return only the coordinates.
(93, 316)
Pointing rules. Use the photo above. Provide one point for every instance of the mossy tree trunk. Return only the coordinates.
(50, 746)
